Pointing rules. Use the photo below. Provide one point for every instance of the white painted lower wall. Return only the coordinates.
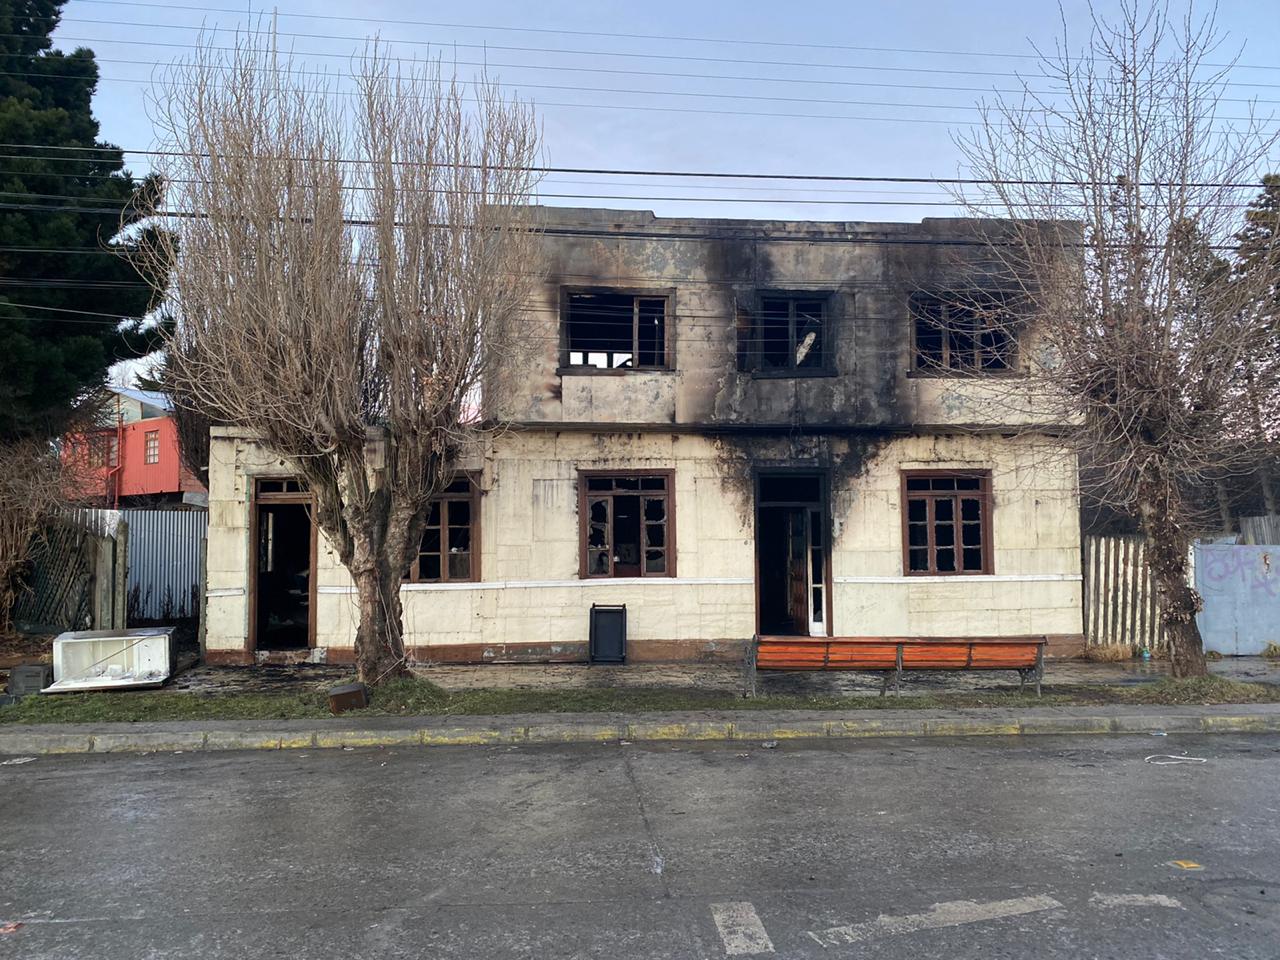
(531, 596)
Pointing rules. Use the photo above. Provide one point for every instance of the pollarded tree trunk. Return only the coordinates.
(1168, 548)
(373, 526)
(380, 654)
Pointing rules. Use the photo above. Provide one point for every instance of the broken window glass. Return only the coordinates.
(615, 331)
(946, 523)
(962, 333)
(626, 534)
(786, 333)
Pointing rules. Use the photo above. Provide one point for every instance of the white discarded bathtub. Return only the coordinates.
(111, 659)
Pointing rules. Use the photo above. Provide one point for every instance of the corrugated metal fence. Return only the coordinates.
(1262, 531)
(166, 550)
(1120, 602)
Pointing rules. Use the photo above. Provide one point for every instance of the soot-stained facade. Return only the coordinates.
(733, 428)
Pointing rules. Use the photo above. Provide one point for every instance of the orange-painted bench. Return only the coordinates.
(892, 656)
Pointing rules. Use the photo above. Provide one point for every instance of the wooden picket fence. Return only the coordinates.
(1120, 600)
(76, 576)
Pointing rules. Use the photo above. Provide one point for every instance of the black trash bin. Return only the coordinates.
(608, 643)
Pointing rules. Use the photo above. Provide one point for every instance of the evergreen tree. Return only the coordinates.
(60, 220)
(1259, 241)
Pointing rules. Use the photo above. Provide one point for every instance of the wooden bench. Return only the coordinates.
(892, 656)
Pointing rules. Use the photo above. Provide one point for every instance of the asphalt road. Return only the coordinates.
(975, 848)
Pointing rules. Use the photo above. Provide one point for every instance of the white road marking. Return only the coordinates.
(950, 914)
(1135, 900)
(740, 928)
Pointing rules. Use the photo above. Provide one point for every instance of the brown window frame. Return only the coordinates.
(750, 349)
(444, 499)
(281, 489)
(931, 497)
(969, 304)
(669, 518)
(665, 294)
(151, 446)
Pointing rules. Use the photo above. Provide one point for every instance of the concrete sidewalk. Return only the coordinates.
(702, 677)
(742, 725)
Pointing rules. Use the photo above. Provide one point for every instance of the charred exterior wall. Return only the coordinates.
(715, 273)
(714, 424)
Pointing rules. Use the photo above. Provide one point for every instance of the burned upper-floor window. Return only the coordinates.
(786, 333)
(963, 333)
(611, 330)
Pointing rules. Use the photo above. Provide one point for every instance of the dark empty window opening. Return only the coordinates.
(962, 333)
(946, 523)
(449, 550)
(787, 332)
(789, 488)
(627, 525)
(615, 331)
(267, 489)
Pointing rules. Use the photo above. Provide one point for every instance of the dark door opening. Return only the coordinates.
(283, 576)
(791, 555)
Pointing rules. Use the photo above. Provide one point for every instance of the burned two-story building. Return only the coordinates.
(733, 428)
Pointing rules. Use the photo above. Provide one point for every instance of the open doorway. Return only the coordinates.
(284, 554)
(792, 556)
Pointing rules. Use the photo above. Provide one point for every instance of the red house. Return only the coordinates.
(135, 461)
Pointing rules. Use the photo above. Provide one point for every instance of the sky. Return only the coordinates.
(836, 87)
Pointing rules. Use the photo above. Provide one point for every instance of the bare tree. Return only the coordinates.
(349, 263)
(34, 483)
(1122, 183)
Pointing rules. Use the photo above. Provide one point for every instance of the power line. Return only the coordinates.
(578, 88)
(541, 195)
(543, 51)
(602, 171)
(669, 93)
(556, 31)
(949, 88)
(568, 183)
(681, 320)
(356, 222)
(650, 108)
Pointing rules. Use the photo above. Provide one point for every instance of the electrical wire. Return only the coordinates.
(276, 12)
(585, 53)
(58, 149)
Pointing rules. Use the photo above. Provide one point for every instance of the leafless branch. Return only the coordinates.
(350, 314)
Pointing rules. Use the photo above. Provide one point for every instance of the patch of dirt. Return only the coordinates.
(265, 678)
(16, 648)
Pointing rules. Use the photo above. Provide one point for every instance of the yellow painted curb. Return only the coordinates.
(13, 740)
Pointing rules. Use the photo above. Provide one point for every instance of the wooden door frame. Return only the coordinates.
(303, 499)
(824, 506)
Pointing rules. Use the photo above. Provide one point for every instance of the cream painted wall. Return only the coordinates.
(531, 593)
